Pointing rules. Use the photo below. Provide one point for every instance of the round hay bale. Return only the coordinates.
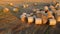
(31, 14)
(28, 15)
(39, 15)
(11, 4)
(30, 20)
(25, 5)
(52, 9)
(52, 22)
(5, 10)
(38, 21)
(58, 12)
(58, 18)
(23, 18)
(35, 4)
(46, 8)
(50, 15)
(44, 19)
(15, 10)
(57, 5)
(34, 10)
(37, 11)
(24, 14)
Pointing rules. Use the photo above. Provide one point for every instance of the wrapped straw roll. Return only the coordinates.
(38, 21)
(30, 20)
(52, 22)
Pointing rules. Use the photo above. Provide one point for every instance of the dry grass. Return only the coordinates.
(8, 23)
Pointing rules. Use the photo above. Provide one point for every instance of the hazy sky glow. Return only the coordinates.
(26, 0)
(22, 1)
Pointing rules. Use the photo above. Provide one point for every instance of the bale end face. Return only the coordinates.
(58, 19)
(38, 21)
(52, 22)
(30, 20)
